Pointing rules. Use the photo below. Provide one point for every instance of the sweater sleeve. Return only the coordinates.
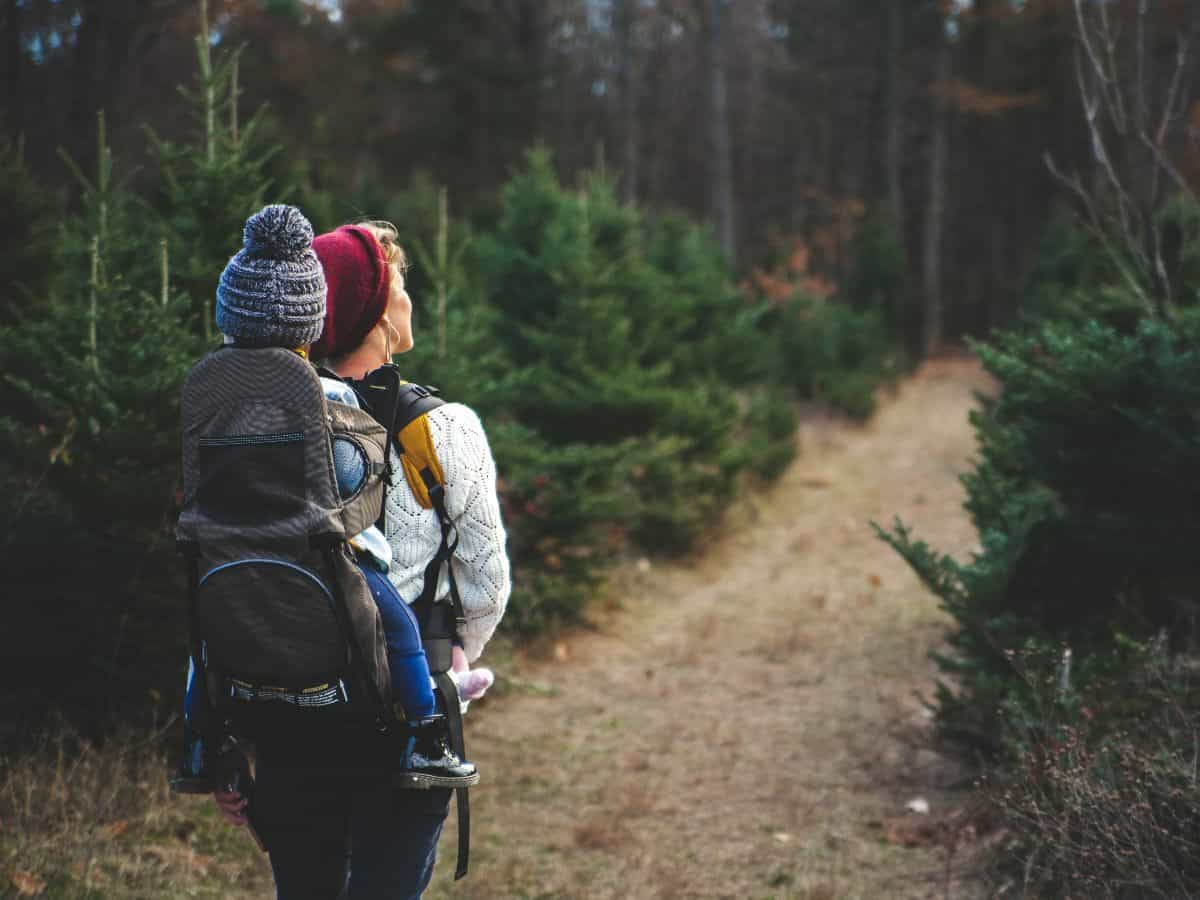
(480, 561)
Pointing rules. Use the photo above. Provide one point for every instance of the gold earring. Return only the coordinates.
(387, 338)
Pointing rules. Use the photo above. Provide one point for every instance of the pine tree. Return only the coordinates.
(612, 415)
(96, 370)
(1084, 497)
(29, 219)
(209, 186)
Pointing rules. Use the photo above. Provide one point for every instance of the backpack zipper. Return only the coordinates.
(271, 562)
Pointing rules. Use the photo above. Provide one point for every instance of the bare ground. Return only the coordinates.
(748, 722)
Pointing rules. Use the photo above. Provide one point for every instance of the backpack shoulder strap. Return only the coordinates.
(419, 460)
(400, 407)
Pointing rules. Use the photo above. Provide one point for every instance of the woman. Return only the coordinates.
(324, 801)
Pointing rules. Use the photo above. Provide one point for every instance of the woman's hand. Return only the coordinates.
(232, 806)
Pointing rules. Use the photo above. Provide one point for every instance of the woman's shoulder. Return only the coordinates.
(457, 432)
(456, 416)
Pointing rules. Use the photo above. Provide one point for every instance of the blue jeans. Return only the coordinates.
(334, 826)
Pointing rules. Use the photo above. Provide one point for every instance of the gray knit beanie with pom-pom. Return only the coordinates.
(272, 293)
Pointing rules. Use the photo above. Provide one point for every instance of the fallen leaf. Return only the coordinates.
(96, 878)
(116, 829)
(912, 832)
(200, 864)
(27, 884)
(162, 854)
(875, 580)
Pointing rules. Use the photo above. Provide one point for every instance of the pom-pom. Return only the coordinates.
(279, 232)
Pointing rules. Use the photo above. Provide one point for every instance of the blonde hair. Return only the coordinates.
(389, 240)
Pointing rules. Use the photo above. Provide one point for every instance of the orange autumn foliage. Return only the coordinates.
(973, 100)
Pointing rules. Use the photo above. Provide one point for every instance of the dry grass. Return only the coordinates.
(78, 821)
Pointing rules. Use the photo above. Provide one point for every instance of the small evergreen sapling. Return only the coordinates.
(96, 371)
(1084, 496)
(208, 187)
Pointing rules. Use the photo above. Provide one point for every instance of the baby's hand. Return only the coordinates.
(472, 683)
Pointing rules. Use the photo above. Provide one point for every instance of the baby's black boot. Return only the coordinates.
(427, 760)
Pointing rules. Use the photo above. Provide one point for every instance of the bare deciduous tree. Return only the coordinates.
(933, 330)
(624, 27)
(720, 160)
(1131, 112)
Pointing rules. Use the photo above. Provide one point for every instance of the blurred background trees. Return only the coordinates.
(779, 122)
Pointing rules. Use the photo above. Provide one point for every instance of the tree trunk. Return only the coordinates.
(531, 40)
(14, 101)
(933, 330)
(625, 18)
(894, 163)
(993, 313)
(84, 78)
(720, 151)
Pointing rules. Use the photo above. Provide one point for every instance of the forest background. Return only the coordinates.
(644, 232)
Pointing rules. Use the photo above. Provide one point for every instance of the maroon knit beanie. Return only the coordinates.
(358, 277)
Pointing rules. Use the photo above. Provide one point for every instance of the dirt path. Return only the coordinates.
(748, 720)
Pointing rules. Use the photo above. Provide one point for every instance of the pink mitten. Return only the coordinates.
(472, 683)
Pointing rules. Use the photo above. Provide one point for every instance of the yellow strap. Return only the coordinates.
(418, 455)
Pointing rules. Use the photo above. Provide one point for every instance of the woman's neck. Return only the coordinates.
(358, 362)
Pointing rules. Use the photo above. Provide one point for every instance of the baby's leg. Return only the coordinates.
(411, 687)
(198, 712)
(195, 773)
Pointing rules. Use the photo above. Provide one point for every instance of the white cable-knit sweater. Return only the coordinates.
(480, 562)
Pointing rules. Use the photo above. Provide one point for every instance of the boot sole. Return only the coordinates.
(419, 781)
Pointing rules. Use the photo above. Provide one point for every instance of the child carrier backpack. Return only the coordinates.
(276, 603)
